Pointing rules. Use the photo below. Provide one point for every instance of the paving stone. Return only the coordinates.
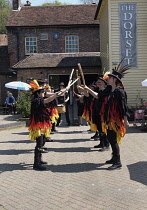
(76, 177)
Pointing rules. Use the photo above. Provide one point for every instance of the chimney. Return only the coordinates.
(16, 4)
(28, 3)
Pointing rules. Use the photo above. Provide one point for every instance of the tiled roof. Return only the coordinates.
(53, 15)
(3, 40)
(57, 60)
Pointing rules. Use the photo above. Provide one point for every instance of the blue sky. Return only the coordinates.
(40, 2)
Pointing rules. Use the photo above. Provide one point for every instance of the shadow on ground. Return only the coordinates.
(11, 117)
(71, 149)
(138, 172)
(22, 133)
(67, 168)
(71, 140)
(75, 168)
(134, 129)
(18, 142)
(15, 152)
(13, 167)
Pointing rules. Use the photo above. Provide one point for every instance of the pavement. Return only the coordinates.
(76, 177)
(11, 121)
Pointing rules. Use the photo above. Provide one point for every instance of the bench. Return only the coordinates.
(5, 109)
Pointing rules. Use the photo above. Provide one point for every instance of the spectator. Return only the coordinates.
(63, 100)
(80, 105)
(10, 102)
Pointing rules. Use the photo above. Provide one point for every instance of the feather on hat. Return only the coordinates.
(35, 86)
(104, 77)
(119, 71)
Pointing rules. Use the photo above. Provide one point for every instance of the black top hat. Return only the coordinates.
(101, 78)
(61, 84)
(41, 81)
(116, 74)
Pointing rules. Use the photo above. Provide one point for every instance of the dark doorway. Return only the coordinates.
(55, 80)
(90, 78)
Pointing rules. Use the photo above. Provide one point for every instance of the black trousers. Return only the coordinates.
(12, 108)
(40, 141)
(103, 137)
(112, 138)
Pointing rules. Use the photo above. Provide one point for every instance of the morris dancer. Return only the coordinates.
(52, 106)
(115, 115)
(114, 112)
(40, 123)
(100, 96)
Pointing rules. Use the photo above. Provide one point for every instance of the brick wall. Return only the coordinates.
(25, 74)
(88, 40)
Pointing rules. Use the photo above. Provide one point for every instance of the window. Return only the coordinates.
(30, 45)
(71, 44)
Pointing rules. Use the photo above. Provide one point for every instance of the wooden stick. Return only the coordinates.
(72, 83)
(70, 78)
(67, 88)
(81, 72)
(79, 81)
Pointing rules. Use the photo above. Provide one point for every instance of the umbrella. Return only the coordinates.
(144, 82)
(18, 85)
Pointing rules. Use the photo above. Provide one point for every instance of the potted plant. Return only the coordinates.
(23, 105)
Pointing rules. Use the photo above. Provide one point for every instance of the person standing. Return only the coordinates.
(52, 106)
(80, 105)
(115, 115)
(40, 122)
(96, 117)
(63, 100)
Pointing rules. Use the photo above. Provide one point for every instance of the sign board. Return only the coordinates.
(128, 33)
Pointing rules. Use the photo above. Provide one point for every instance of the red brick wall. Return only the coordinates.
(88, 40)
(25, 74)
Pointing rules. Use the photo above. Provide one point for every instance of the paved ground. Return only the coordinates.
(9, 121)
(76, 177)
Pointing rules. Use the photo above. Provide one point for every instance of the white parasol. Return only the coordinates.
(18, 85)
(144, 82)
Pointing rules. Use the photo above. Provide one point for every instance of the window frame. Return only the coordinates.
(26, 53)
(71, 44)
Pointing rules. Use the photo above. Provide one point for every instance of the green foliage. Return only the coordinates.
(54, 3)
(23, 105)
(5, 8)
